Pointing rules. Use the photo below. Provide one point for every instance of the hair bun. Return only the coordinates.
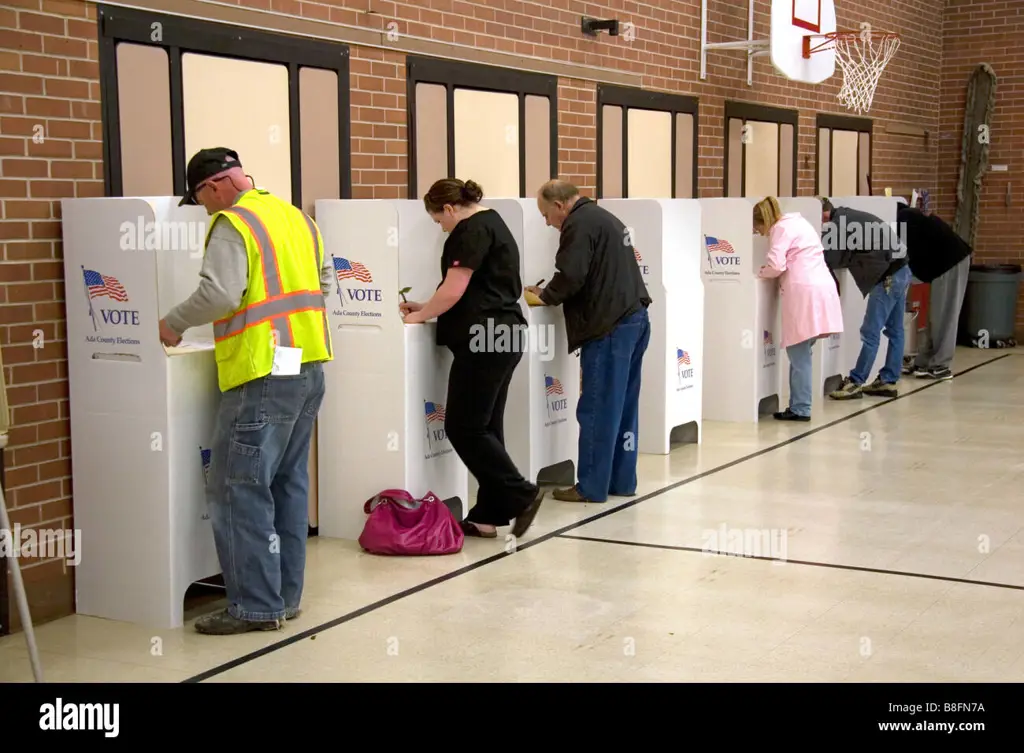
(472, 191)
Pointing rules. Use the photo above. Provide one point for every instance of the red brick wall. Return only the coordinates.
(992, 32)
(50, 148)
(49, 77)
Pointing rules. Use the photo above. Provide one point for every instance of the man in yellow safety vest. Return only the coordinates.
(262, 285)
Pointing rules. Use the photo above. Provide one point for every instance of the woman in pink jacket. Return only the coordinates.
(810, 302)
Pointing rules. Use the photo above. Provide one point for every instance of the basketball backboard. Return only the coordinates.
(791, 21)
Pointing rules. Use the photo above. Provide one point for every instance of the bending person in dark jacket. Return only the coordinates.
(871, 250)
(941, 257)
(605, 302)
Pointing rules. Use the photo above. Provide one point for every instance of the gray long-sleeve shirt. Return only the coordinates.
(224, 279)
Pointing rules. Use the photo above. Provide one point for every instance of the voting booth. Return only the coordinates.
(381, 425)
(826, 362)
(541, 431)
(142, 415)
(666, 237)
(854, 302)
(742, 321)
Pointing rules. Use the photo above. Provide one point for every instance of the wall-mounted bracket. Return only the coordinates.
(754, 47)
(590, 26)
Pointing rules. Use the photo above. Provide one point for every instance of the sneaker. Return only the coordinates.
(848, 390)
(937, 373)
(878, 388)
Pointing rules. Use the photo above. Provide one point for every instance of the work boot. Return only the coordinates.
(222, 623)
(572, 494)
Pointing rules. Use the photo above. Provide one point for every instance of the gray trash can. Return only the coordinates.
(990, 306)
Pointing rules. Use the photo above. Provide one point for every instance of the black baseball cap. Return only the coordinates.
(205, 164)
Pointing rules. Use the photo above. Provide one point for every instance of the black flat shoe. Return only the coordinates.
(471, 530)
(525, 518)
(788, 415)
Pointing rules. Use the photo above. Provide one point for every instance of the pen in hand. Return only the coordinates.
(539, 282)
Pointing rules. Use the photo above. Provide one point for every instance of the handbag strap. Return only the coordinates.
(399, 497)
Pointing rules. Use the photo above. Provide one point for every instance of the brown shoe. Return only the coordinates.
(572, 494)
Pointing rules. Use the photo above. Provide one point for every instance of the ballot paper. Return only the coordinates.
(188, 346)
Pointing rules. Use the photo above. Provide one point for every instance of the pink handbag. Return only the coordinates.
(399, 524)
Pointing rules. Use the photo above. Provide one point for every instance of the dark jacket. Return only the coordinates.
(864, 244)
(933, 247)
(598, 281)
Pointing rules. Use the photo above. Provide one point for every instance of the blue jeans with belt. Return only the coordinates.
(886, 304)
(609, 409)
(258, 490)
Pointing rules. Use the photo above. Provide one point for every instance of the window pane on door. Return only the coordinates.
(256, 124)
(762, 159)
(431, 136)
(487, 141)
(649, 166)
(845, 145)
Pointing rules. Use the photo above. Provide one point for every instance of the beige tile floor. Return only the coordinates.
(898, 556)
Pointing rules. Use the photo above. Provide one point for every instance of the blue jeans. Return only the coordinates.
(608, 411)
(885, 311)
(801, 374)
(258, 490)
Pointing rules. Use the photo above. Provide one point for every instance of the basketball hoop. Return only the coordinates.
(862, 56)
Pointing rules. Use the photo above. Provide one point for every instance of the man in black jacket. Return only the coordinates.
(871, 250)
(942, 258)
(605, 302)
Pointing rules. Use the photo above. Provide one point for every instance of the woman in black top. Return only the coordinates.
(480, 321)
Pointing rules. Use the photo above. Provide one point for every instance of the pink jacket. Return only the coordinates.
(810, 301)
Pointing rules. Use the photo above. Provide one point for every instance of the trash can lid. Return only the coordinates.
(1002, 269)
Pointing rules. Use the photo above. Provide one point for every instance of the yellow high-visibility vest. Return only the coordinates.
(283, 304)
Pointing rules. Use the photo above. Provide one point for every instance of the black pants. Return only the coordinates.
(474, 422)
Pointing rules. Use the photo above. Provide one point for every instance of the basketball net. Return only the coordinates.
(862, 57)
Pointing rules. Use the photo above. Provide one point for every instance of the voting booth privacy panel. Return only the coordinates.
(854, 302)
(826, 361)
(665, 234)
(541, 432)
(382, 421)
(381, 424)
(142, 416)
(742, 320)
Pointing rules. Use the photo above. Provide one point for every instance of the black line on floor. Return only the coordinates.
(832, 565)
(259, 653)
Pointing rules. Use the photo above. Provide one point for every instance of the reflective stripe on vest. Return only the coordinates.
(277, 305)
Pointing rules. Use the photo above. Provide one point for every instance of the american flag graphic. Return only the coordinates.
(552, 385)
(767, 337)
(346, 269)
(434, 412)
(714, 245)
(205, 455)
(636, 254)
(100, 286)
(682, 357)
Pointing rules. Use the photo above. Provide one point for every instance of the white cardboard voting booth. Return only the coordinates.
(826, 363)
(854, 302)
(541, 432)
(666, 235)
(741, 316)
(381, 425)
(142, 416)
